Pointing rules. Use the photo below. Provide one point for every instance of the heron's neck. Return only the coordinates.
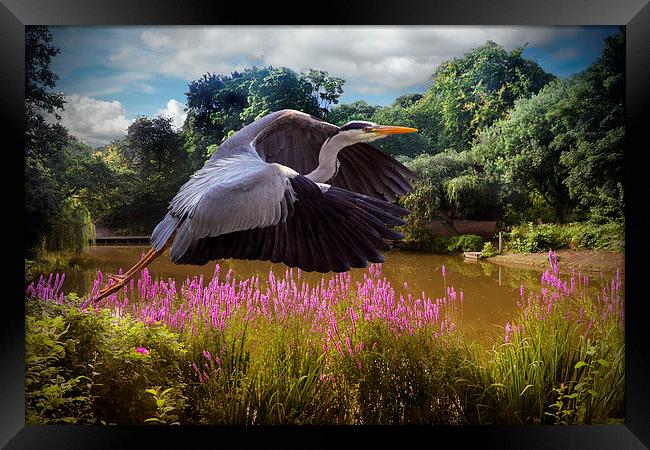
(327, 158)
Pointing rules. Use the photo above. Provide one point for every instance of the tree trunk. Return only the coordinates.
(448, 221)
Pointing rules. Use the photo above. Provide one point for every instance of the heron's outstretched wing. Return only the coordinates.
(294, 139)
(327, 229)
(228, 194)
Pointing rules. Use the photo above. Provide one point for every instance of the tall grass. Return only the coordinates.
(562, 358)
(284, 351)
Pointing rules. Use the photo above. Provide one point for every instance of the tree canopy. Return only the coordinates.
(564, 144)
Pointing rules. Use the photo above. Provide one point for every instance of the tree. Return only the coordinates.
(325, 88)
(522, 152)
(199, 131)
(449, 186)
(39, 82)
(472, 92)
(347, 112)
(280, 88)
(407, 100)
(220, 105)
(407, 144)
(594, 161)
(43, 142)
(151, 165)
(565, 144)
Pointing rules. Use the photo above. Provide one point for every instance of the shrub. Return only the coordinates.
(53, 394)
(465, 243)
(608, 236)
(128, 357)
(425, 241)
(580, 235)
(488, 250)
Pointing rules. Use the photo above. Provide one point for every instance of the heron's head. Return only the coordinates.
(362, 131)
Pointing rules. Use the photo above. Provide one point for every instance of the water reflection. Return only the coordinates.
(490, 291)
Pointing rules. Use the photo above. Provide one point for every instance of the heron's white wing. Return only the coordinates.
(230, 194)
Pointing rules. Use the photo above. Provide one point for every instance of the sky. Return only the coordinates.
(111, 75)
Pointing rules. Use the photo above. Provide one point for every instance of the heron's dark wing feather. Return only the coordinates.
(370, 171)
(294, 139)
(326, 231)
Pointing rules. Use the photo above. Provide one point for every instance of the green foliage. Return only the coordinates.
(519, 152)
(120, 372)
(448, 186)
(347, 112)
(555, 370)
(594, 158)
(399, 113)
(564, 143)
(465, 243)
(269, 380)
(580, 236)
(595, 391)
(220, 105)
(73, 230)
(537, 238)
(488, 250)
(64, 179)
(43, 141)
(281, 88)
(53, 394)
(326, 89)
(473, 91)
(150, 166)
(443, 244)
(96, 366)
(166, 403)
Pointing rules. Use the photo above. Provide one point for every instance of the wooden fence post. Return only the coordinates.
(500, 241)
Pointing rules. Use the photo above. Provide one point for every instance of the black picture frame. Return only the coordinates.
(633, 14)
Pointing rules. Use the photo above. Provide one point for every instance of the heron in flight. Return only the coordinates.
(287, 188)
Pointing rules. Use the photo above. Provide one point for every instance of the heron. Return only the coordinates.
(291, 188)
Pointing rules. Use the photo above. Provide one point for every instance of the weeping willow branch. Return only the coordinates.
(73, 230)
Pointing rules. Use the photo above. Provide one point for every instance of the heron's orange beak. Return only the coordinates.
(385, 129)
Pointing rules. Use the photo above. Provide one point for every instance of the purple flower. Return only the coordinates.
(142, 350)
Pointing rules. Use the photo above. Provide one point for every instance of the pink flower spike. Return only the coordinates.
(142, 350)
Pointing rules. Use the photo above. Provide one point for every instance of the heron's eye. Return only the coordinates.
(367, 129)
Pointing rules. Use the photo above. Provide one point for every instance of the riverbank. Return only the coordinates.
(585, 260)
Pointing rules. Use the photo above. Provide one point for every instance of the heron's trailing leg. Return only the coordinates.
(121, 280)
(136, 268)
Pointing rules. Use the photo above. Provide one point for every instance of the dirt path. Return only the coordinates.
(568, 259)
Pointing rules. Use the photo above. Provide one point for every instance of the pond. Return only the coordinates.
(490, 291)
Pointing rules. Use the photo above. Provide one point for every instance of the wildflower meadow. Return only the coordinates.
(281, 350)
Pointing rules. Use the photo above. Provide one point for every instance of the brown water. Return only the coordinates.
(490, 291)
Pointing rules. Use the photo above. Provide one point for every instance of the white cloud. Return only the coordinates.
(93, 121)
(175, 110)
(373, 59)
